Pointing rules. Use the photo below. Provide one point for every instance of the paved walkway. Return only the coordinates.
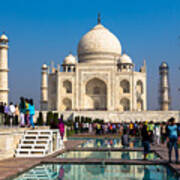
(12, 167)
(9, 168)
(163, 153)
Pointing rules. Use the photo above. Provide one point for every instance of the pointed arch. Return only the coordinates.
(96, 94)
(125, 85)
(67, 103)
(140, 105)
(125, 104)
(67, 86)
(139, 87)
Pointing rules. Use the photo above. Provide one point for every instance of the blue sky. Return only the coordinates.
(45, 30)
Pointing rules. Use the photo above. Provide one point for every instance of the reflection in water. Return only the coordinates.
(98, 172)
(146, 174)
(110, 142)
(107, 155)
(61, 173)
(125, 168)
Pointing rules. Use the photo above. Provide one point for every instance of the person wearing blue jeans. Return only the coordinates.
(31, 112)
(172, 138)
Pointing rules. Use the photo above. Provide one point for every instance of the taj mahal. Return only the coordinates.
(101, 81)
(100, 78)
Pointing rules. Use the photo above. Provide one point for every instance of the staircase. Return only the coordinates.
(39, 143)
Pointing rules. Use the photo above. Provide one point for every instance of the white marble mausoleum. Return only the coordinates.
(100, 77)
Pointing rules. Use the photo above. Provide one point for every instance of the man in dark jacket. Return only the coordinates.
(145, 140)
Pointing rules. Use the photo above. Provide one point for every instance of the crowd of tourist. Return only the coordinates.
(18, 115)
(149, 132)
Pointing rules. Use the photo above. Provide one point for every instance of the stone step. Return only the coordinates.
(30, 152)
(35, 132)
(36, 137)
(29, 141)
(37, 143)
(31, 146)
(30, 155)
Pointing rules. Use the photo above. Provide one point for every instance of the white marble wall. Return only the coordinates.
(114, 116)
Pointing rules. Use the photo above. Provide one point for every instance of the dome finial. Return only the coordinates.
(99, 18)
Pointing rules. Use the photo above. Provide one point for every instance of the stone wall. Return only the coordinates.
(9, 139)
(121, 116)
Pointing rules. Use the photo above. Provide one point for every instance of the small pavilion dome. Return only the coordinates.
(164, 65)
(3, 37)
(125, 59)
(44, 66)
(70, 59)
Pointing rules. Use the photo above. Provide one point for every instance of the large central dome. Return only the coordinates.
(99, 45)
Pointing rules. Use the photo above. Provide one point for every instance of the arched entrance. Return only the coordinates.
(139, 104)
(125, 104)
(67, 104)
(95, 95)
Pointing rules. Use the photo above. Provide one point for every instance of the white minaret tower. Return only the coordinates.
(164, 99)
(44, 88)
(4, 69)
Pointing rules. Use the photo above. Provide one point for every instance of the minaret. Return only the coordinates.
(44, 88)
(4, 69)
(164, 99)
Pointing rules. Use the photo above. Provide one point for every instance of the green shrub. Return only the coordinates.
(76, 119)
(40, 121)
(55, 121)
(82, 119)
(49, 118)
(69, 122)
(69, 132)
(62, 117)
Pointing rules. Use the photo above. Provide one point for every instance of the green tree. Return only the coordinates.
(40, 121)
(49, 118)
(55, 121)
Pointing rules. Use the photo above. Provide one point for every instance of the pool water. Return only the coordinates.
(109, 143)
(98, 172)
(107, 155)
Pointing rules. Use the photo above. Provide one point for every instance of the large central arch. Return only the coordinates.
(95, 95)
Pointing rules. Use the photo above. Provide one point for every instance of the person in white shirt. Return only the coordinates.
(157, 132)
(12, 110)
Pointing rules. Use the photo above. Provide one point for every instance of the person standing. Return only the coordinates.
(27, 112)
(157, 132)
(11, 113)
(172, 138)
(16, 115)
(22, 110)
(31, 112)
(145, 140)
(6, 114)
(125, 139)
(163, 132)
(1, 113)
(61, 128)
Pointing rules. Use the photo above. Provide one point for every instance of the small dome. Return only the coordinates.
(70, 59)
(44, 66)
(164, 65)
(3, 37)
(125, 59)
(98, 43)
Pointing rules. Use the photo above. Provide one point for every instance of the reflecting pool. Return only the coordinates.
(107, 155)
(98, 172)
(109, 143)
